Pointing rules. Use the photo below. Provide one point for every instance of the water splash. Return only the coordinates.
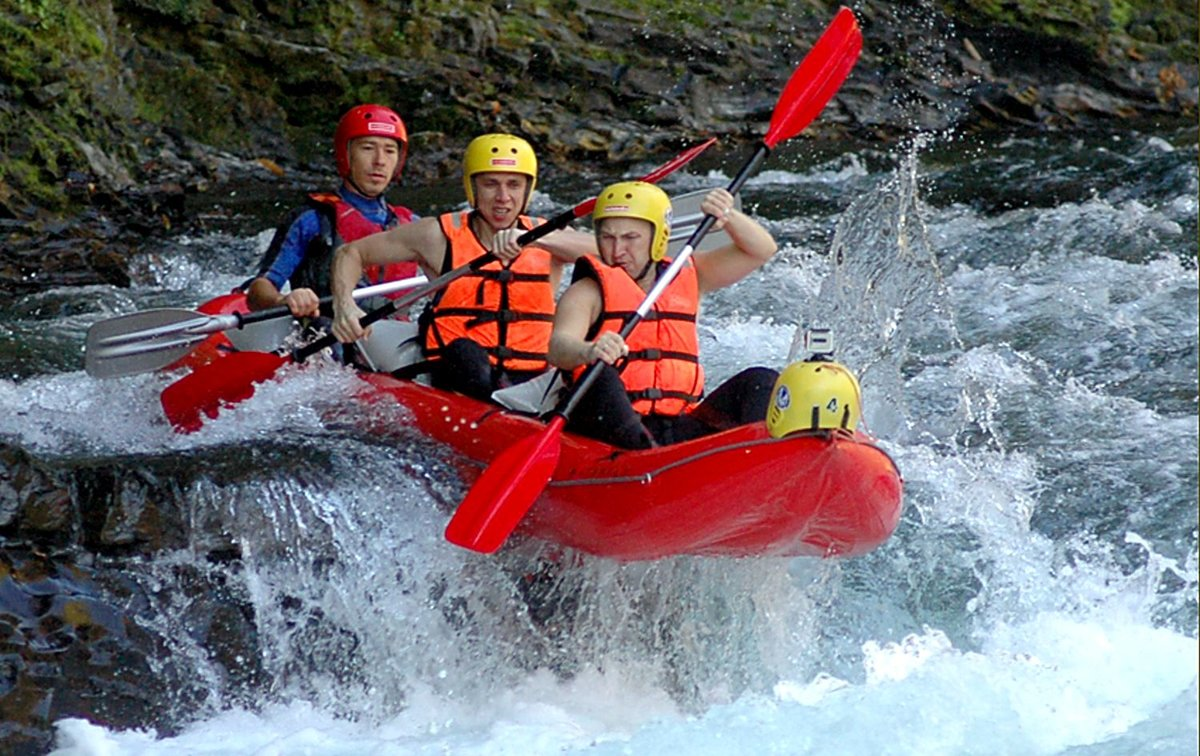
(885, 297)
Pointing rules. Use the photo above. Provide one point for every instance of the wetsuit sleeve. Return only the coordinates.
(295, 244)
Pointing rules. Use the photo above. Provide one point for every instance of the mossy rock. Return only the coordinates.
(269, 78)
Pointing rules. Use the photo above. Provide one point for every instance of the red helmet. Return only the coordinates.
(363, 121)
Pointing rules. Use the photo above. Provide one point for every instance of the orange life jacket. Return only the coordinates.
(662, 374)
(508, 310)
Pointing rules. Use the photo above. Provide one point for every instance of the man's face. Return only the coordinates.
(500, 197)
(625, 243)
(372, 163)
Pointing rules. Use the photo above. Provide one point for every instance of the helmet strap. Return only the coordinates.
(645, 270)
(354, 185)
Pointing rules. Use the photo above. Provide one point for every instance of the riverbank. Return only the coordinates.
(113, 114)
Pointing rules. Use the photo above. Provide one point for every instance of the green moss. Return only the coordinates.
(217, 71)
(672, 15)
(44, 14)
(27, 177)
(41, 157)
(61, 71)
(420, 31)
(22, 56)
(192, 99)
(1120, 13)
(1095, 24)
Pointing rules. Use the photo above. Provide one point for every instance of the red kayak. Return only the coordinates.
(737, 493)
(824, 493)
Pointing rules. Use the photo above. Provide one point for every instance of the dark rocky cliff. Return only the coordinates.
(121, 108)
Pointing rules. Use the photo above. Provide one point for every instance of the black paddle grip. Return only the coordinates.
(328, 340)
(280, 311)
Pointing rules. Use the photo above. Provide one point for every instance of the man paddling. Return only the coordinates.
(490, 328)
(655, 395)
(369, 145)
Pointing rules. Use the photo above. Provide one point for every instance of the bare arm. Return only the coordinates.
(577, 311)
(568, 245)
(263, 294)
(422, 242)
(752, 245)
(565, 246)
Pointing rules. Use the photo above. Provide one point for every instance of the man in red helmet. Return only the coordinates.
(369, 145)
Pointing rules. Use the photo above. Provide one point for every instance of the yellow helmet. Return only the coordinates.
(637, 199)
(501, 153)
(814, 395)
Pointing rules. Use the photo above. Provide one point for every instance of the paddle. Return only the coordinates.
(686, 217)
(232, 378)
(516, 478)
(152, 339)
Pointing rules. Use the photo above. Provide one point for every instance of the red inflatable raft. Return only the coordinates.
(737, 493)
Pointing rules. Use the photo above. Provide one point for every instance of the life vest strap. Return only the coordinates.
(500, 353)
(661, 354)
(494, 316)
(654, 394)
(623, 315)
(508, 275)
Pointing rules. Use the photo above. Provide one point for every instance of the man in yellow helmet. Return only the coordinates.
(489, 328)
(655, 396)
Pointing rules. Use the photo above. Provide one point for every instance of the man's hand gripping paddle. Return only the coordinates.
(154, 339)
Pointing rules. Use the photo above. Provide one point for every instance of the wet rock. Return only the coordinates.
(88, 626)
(1009, 104)
(34, 502)
(1078, 100)
(72, 646)
(240, 94)
(106, 170)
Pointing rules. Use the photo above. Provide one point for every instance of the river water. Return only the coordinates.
(1022, 312)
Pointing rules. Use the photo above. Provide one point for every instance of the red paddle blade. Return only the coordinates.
(817, 78)
(220, 383)
(675, 163)
(654, 176)
(505, 491)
